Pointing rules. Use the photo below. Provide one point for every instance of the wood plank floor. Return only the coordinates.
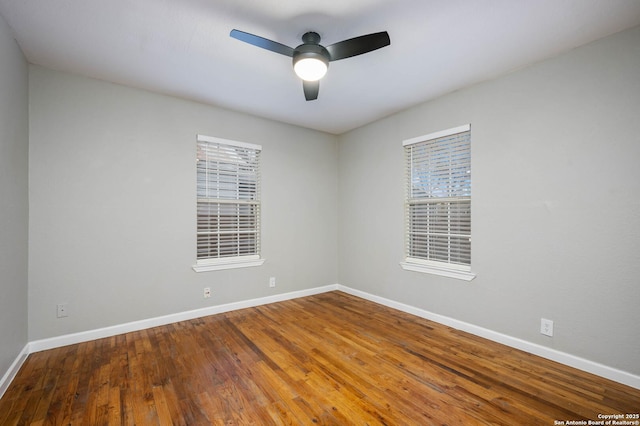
(325, 359)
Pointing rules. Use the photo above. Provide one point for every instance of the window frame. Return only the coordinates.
(240, 261)
(423, 265)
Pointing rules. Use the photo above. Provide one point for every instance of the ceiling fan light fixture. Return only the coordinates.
(311, 68)
(311, 59)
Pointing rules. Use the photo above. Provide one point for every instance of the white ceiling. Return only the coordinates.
(182, 47)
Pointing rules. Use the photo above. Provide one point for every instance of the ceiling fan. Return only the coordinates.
(311, 59)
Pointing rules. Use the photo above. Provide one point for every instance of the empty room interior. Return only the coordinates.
(444, 228)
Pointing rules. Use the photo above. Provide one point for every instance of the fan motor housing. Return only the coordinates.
(314, 51)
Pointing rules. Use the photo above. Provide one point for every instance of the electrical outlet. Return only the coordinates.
(272, 282)
(207, 292)
(62, 310)
(546, 327)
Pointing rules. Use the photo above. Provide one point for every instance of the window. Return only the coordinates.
(438, 203)
(228, 204)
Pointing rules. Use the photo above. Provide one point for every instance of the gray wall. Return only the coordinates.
(556, 218)
(112, 199)
(14, 208)
(555, 210)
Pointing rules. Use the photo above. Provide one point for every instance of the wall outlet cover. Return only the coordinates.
(62, 310)
(546, 327)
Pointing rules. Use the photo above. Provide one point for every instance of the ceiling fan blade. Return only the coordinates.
(311, 89)
(262, 42)
(358, 45)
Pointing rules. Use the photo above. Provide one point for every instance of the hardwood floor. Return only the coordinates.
(325, 359)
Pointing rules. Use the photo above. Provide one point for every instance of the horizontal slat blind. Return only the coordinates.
(438, 206)
(228, 191)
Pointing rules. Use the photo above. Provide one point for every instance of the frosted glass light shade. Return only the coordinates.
(310, 69)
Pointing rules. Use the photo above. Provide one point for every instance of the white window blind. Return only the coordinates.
(228, 202)
(438, 199)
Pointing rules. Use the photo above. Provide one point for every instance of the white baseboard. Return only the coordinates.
(13, 370)
(85, 336)
(552, 354)
(601, 370)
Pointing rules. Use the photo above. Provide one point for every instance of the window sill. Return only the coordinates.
(233, 263)
(437, 270)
